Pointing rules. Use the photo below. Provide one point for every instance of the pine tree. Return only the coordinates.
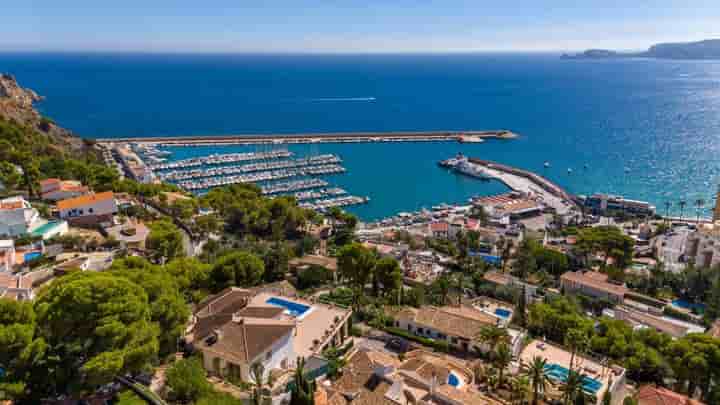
(520, 315)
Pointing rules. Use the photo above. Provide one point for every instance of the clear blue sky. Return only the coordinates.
(352, 26)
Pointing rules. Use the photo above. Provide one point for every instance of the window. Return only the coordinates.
(268, 355)
(421, 331)
(90, 210)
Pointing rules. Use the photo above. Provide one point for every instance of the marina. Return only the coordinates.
(291, 186)
(178, 175)
(344, 201)
(219, 159)
(256, 177)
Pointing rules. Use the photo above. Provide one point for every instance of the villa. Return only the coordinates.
(599, 376)
(458, 326)
(18, 218)
(56, 189)
(377, 378)
(239, 327)
(651, 395)
(593, 284)
(89, 209)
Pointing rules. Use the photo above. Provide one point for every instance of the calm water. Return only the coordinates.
(647, 129)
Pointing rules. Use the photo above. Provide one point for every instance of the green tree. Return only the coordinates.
(303, 389)
(98, 326)
(355, 264)
(572, 388)
(492, 336)
(186, 380)
(165, 241)
(190, 274)
(388, 273)
(22, 351)
(539, 380)
(167, 304)
(237, 268)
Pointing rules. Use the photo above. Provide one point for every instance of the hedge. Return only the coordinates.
(439, 345)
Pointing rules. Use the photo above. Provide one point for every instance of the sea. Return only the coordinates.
(645, 129)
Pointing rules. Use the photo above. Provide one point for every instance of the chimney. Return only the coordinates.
(433, 383)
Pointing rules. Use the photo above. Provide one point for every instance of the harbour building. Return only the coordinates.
(604, 203)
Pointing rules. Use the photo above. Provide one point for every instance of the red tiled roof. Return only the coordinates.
(84, 200)
(439, 226)
(650, 395)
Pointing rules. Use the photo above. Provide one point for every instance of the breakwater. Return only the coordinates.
(337, 137)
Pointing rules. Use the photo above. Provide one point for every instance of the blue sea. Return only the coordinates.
(646, 129)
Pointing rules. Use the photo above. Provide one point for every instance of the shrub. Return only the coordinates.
(186, 380)
(313, 276)
(439, 345)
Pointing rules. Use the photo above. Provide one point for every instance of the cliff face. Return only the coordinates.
(707, 49)
(18, 104)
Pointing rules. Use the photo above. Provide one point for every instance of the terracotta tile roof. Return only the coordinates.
(11, 205)
(448, 320)
(439, 226)
(49, 181)
(84, 200)
(356, 373)
(9, 280)
(594, 280)
(242, 340)
(227, 301)
(268, 312)
(650, 395)
(497, 278)
(465, 397)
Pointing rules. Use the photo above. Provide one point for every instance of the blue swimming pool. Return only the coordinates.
(454, 380)
(503, 313)
(293, 308)
(685, 304)
(559, 373)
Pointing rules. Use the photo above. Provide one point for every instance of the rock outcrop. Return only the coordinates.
(18, 104)
(707, 49)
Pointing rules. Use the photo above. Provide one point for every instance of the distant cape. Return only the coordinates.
(706, 49)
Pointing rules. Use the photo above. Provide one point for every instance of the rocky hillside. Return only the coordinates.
(17, 104)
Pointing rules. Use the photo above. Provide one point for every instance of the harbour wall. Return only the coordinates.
(338, 137)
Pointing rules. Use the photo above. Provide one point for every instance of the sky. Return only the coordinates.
(352, 25)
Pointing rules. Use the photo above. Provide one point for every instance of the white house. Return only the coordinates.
(17, 217)
(88, 209)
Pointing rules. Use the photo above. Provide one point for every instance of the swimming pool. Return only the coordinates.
(293, 308)
(502, 312)
(685, 304)
(559, 373)
(454, 380)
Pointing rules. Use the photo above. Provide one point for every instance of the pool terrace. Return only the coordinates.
(597, 376)
(499, 309)
(318, 326)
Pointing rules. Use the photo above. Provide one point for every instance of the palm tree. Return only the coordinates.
(303, 389)
(492, 336)
(573, 388)
(682, 204)
(535, 371)
(699, 203)
(259, 382)
(502, 358)
(520, 392)
(577, 340)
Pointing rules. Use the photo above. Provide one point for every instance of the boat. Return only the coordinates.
(547, 164)
(569, 171)
(462, 165)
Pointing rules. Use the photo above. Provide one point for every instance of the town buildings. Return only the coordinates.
(652, 395)
(19, 218)
(703, 245)
(7, 254)
(89, 209)
(599, 204)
